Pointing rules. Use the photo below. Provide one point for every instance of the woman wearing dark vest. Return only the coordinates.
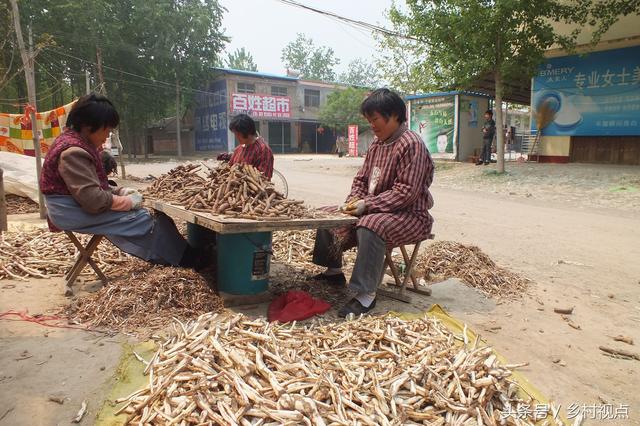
(79, 198)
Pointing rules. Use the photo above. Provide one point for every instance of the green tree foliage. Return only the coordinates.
(606, 13)
(313, 62)
(504, 39)
(343, 108)
(360, 73)
(241, 59)
(403, 63)
(146, 48)
(459, 41)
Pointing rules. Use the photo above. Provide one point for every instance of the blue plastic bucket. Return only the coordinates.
(243, 263)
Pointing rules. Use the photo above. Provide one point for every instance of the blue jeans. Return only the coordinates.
(152, 238)
(369, 266)
(486, 150)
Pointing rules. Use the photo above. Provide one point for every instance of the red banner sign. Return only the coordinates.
(258, 105)
(353, 141)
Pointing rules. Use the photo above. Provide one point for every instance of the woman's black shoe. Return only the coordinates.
(355, 307)
(337, 279)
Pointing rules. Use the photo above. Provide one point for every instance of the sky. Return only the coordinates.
(265, 27)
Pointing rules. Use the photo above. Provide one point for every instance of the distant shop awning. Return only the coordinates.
(516, 91)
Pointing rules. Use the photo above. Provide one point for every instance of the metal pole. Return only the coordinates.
(116, 132)
(178, 135)
(3, 204)
(316, 138)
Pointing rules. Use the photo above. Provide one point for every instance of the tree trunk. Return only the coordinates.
(178, 119)
(3, 204)
(28, 64)
(499, 123)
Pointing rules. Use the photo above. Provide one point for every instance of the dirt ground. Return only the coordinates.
(572, 229)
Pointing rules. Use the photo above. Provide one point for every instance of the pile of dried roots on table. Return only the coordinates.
(447, 259)
(369, 371)
(20, 205)
(147, 298)
(238, 191)
(38, 253)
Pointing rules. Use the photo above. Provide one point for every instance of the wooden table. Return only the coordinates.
(224, 225)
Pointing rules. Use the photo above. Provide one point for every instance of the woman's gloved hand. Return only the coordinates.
(354, 207)
(136, 200)
(127, 191)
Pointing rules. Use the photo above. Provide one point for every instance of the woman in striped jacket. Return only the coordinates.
(390, 196)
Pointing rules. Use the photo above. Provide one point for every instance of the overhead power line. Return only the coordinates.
(353, 22)
(153, 80)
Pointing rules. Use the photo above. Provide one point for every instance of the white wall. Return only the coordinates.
(470, 138)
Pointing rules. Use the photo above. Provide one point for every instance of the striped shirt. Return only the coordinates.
(394, 182)
(258, 154)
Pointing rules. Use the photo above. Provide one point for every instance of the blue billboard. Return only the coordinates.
(211, 118)
(596, 94)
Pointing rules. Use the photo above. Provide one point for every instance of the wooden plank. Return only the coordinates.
(234, 226)
(231, 300)
(396, 295)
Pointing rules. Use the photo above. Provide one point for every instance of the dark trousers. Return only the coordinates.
(369, 266)
(486, 150)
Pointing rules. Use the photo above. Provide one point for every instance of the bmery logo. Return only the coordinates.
(551, 71)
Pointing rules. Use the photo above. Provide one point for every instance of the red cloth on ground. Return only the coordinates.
(295, 305)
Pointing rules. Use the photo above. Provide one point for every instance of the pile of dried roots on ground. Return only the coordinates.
(296, 248)
(148, 297)
(38, 253)
(293, 247)
(369, 371)
(238, 191)
(447, 259)
(20, 205)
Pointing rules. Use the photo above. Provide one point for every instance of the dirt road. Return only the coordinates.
(580, 249)
(601, 276)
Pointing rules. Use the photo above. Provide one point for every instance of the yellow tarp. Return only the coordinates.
(457, 327)
(130, 371)
(129, 378)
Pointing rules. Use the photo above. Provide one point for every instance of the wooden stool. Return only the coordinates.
(401, 279)
(82, 258)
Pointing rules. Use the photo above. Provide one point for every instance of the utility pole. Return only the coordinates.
(116, 133)
(27, 62)
(178, 135)
(87, 82)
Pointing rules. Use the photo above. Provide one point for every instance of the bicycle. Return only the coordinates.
(280, 183)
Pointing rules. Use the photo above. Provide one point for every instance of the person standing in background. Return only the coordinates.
(488, 132)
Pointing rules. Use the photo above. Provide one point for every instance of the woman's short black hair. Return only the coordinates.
(385, 102)
(489, 112)
(243, 124)
(93, 111)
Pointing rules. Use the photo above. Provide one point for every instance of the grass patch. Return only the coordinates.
(443, 165)
(494, 174)
(625, 188)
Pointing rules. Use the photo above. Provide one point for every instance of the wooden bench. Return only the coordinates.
(82, 258)
(401, 279)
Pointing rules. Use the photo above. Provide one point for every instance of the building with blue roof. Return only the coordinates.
(285, 107)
